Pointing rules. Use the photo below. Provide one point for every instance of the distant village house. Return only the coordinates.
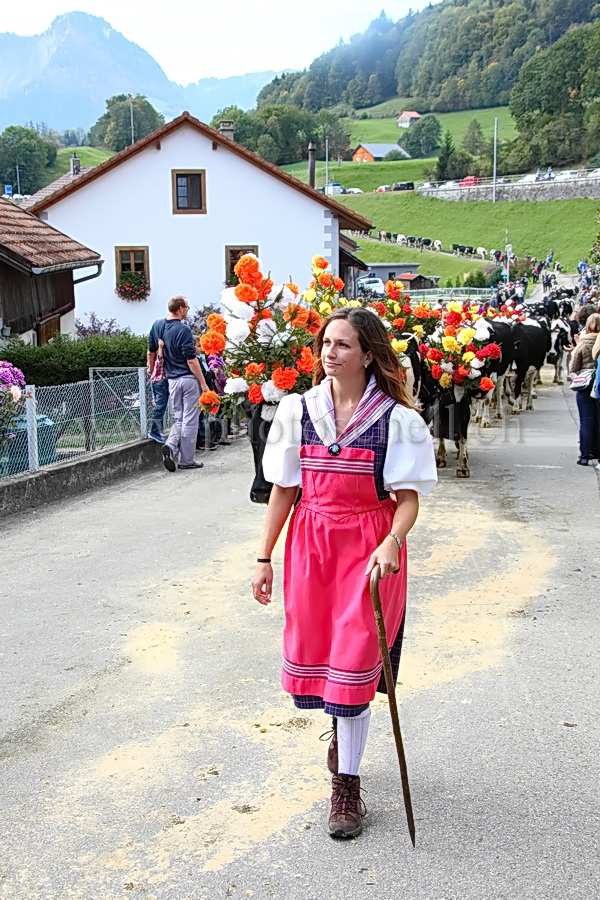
(408, 118)
(37, 283)
(375, 152)
(179, 207)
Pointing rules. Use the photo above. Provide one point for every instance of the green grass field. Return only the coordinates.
(566, 226)
(89, 156)
(385, 130)
(366, 176)
(429, 263)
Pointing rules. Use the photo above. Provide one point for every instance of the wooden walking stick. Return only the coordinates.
(391, 692)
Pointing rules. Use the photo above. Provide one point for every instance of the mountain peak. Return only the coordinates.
(80, 21)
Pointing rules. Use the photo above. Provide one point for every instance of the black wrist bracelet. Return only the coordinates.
(264, 560)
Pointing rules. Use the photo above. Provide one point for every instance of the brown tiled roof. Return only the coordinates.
(53, 187)
(26, 241)
(347, 218)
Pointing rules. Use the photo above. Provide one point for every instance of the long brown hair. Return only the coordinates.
(373, 338)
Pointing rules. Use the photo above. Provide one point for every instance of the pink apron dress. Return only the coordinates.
(330, 645)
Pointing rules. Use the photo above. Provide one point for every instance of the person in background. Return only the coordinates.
(160, 395)
(186, 382)
(596, 387)
(582, 359)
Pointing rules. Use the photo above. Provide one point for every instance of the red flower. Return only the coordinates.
(486, 384)
(457, 378)
(399, 324)
(380, 307)
(453, 318)
(407, 309)
(437, 372)
(462, 371)
(255, 394)
(266, 314)
(338, 284)
(494, 350)
(435, 355)
(285, 379)
(483, 353)
(325, 280)
(471, 348)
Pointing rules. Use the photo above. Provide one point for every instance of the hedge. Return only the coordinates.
(64, 360)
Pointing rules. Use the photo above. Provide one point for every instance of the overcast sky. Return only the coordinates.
(194, 39)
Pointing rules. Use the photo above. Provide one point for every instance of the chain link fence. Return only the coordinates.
(66, 421)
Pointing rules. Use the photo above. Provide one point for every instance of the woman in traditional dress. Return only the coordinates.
(362, 454)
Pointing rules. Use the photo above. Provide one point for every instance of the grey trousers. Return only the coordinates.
(184, 393)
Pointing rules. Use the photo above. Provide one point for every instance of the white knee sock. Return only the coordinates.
(352, 738)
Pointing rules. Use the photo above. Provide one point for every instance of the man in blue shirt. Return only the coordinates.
(186, 382)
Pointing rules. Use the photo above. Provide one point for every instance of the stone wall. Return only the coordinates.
(581, 188)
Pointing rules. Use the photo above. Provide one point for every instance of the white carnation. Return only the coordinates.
(268, 412)
(447, 367)
(265, 330)
(234, 307)
(271, 393)
(15, 392)
(236, 386)
(477, 363)
(237, 331)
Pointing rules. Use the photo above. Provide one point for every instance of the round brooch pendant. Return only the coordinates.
(335, 449)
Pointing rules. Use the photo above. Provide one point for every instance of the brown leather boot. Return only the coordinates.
(347, 808)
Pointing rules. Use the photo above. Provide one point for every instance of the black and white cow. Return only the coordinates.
(532, 343)
(561, 344)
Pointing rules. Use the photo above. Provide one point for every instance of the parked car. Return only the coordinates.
(353, 191)
(334, 188)
(595, 173)
(426, 186)
(528, 179)
(470, 181)
(371, 285)
(568, 175)
(403, 186)
(383, 188)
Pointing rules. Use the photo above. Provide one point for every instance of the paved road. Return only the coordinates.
(147, 751)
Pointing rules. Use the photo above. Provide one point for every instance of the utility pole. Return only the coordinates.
(326, 160)
(495, 160)
(507, 253)
(131, 118)
(18, 180)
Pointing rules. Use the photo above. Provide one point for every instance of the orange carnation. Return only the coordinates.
(325, 280)
(255, 394)
(306, 362)
(246, 267)
(421, 312)
(320, 263)
(486, 384)
(255, 369)
(338, 284)
(399, 324)
(285, 379)
(266, 314)
(211, 400)
(293, 288)
(314, 321)
(296, 315)
(265, 288)
(216, 323)
(246, 293)
(212, 343)
(450, 331)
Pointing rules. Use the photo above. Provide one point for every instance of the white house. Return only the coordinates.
(181, 205)
(407, 118)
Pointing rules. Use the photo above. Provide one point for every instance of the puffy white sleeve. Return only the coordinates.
(281, 460)
(410, 461)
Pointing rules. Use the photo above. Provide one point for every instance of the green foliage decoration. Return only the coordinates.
(63, 361)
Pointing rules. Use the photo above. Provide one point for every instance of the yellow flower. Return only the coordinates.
(445, 380)
(450, 344)
(467, 357)
(399, 346)
(317, 272)
(418, 330)
(354, 303)
(396, 308)
(325, 308)
(310, 295)
(491, 312)
(342, 301)
(454, 306)
(465, 335)
(399, 285)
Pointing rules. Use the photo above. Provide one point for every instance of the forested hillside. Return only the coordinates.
(457, 54)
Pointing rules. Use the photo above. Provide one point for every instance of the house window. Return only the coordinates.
(189, 195)
(232, 254)
(132, 259)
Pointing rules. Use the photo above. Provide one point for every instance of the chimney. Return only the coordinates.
(226, 128)
(312, 155)
(75, 165)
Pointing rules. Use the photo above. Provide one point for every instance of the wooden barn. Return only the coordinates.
(375, 152)
(37, 262)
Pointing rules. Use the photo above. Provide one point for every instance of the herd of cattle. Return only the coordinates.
(425, 243)
(545, 336)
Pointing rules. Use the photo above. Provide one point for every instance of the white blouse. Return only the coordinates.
(409, 461)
